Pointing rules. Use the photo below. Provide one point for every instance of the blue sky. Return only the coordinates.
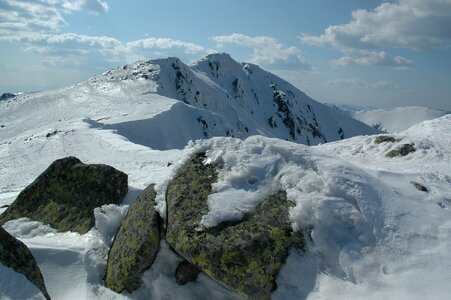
(370, 53)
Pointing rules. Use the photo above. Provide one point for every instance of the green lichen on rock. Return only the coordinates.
(403, 151)
(66, 194)
(15, 255)
(384, 139)
(135, 245)
(244, 256)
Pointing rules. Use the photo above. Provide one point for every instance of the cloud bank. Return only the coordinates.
(266, 50)
(408, 24)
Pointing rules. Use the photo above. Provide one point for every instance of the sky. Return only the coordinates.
(366, 53)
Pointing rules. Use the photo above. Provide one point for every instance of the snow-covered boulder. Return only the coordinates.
(66, 193)
(135, 245)
(15, 255)
(244, 255)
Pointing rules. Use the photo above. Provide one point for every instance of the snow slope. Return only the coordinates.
(371, 233)
(398, 118)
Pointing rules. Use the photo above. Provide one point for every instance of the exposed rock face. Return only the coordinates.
(403, 151)
(135, 245)
(5, 96)
(419, 186)
(15, 255)
(245, 256)
(66, 194)
(186, 272)
(384, 139)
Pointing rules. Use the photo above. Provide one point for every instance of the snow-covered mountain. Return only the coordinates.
(164, 103)
(372, 233)
(395, 119)
(220, 97)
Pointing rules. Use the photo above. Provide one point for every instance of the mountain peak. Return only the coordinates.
(241, 99)
(217, 63)
(219, 57)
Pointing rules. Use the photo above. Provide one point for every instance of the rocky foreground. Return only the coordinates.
(244, 256)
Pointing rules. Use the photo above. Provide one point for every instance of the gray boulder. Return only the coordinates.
(15, 255)
(66, 194)
(135, 245)
(245, 256)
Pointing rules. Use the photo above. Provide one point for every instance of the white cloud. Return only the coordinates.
(42, 15)
(266, 50)
(37, 26)
(93, 6)
(372, 58)
(68, 45)
(409, 24)
(166, 43)
(358, 83)
(384, 85)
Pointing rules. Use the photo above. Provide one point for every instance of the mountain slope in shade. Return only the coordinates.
(398, 118)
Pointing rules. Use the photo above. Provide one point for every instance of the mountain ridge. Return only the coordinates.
(249, 100)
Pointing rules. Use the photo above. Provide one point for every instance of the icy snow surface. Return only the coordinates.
(370, 233)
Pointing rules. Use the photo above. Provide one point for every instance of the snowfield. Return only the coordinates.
(370, 233)
(398, 118)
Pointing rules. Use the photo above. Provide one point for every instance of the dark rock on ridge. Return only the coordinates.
(384, 139)
(419, 186)
(65, 195)
(402, 151)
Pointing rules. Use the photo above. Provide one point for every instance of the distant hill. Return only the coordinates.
(394, 119)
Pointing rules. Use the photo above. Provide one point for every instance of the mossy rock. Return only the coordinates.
(15, 255)
(65, 195)
(384, 139)
(135, 245)
(244, 256)
(403, 151)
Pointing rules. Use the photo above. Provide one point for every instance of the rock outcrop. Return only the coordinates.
(186, 272)
(15, 255)
(135, 245)
(65, 195)
(384, 139)
(404, 150)
(244, 255)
